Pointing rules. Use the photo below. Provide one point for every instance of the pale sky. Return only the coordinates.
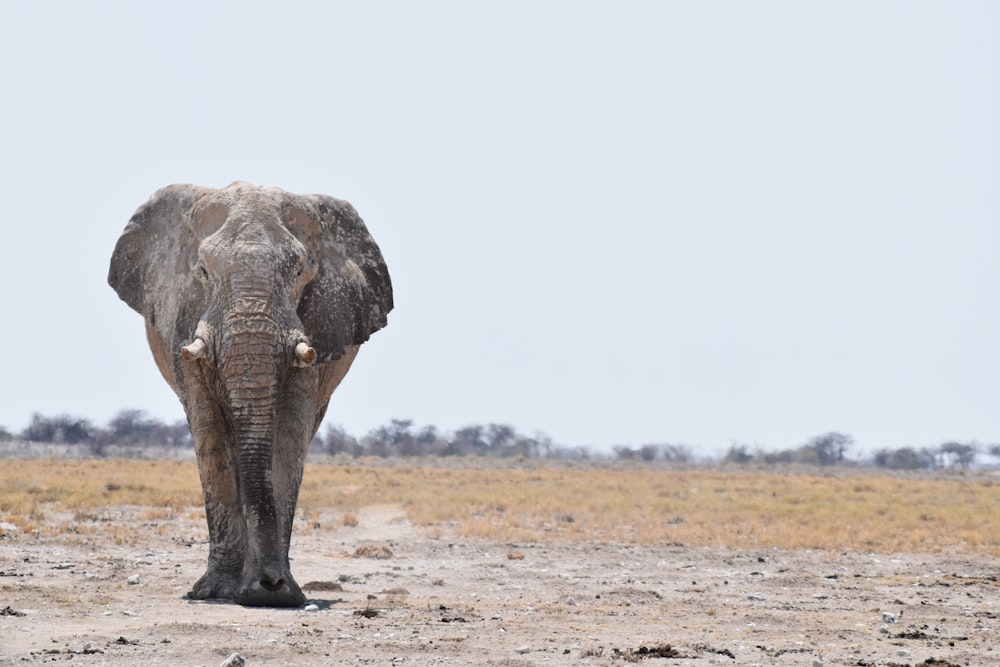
(617, 223)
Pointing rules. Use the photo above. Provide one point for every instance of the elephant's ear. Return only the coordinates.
(151, 268)
(351, 295)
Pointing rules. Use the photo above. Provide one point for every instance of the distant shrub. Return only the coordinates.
(128, 430)
(905, 458)
(957, 454)
(61, 429)
(738, 454)
(654, 452)
(400, 438)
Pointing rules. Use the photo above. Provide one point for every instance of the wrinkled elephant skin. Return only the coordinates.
(256, 302)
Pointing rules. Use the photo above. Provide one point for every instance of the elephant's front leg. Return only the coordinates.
(227, 530)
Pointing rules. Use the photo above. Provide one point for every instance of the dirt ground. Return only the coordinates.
(440, 601)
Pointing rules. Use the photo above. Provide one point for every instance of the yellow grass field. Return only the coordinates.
(841, 510)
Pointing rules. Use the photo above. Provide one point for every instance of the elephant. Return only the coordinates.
(255, 302)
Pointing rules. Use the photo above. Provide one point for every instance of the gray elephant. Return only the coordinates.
(256, 302)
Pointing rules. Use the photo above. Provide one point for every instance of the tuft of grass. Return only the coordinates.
(374, 551)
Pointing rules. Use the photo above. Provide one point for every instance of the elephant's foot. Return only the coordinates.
(215, 584)
(270, 589)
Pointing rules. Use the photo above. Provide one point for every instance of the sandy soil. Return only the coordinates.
(438, 600)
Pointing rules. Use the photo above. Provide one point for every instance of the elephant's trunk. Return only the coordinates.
(252, 354)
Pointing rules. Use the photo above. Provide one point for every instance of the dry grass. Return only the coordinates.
(59, 495)
(693, 508)
(374, 551)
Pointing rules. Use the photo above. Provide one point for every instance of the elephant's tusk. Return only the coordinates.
(305, 354)
(196, 350)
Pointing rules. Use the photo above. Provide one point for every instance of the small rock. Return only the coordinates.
(903, 653)
(7, 527)
(754, 597)
(89, 648)
(571, 601)
(522, 649)
(888, 617)
(817, 663)
(133, 580)
(311, 607)
(235, 660)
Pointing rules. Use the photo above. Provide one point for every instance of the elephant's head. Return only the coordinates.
(248, 289)
(202, 265)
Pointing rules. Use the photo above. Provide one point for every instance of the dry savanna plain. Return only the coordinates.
(474, 562)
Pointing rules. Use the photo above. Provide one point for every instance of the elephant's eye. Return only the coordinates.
(201, 272)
